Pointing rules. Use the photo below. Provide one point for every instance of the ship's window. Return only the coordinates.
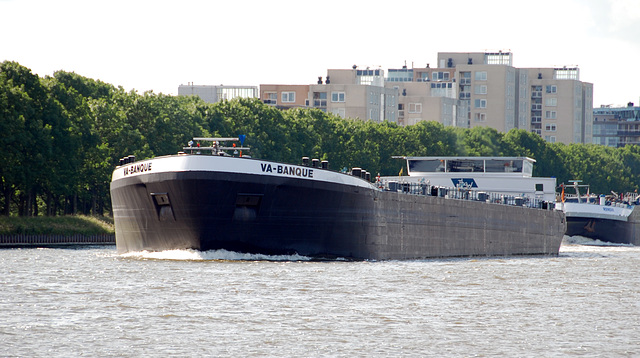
(539, 187)
(465, 165)
(426, 166)
(503, 166)
(527, 168)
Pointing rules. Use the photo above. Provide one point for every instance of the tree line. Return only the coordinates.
(61, 136)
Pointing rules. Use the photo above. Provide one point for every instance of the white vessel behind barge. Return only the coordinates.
(614, 219)
(213, 201)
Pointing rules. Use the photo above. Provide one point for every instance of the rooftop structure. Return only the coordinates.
(213, 94)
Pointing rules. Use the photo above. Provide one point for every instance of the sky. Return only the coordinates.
(158, 45)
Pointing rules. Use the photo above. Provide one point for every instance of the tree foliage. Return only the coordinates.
(62, 136)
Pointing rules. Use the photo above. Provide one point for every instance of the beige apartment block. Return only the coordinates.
(417, 102)
(487, 82)
(463, 89)
(427, 94)
(491, 94)
(355, 93)
(503, 97)
(285, 96)
(365, 102)
(561, 105)
(437, 109)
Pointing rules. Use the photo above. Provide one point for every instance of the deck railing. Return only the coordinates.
(466, 194)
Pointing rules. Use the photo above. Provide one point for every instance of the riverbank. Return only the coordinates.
(45, 231)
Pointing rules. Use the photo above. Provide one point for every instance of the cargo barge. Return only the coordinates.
(206, 199)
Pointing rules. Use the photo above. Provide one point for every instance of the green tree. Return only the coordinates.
(26, 144)
(481, 141)
(549, 158)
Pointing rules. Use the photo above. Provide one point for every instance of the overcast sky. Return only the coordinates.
(158, 45)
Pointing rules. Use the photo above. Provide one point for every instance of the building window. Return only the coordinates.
(550, 127)
(480, 103)
(480, 117)
(481, 75)
(550, 138)
(235, 92)
(373, 114)
(480, 89)
(566, 73)
(552, 89)
(536, 91)
(337, 96)
(550, 114)
(319, 99)
(415, 107)
(465, 78)
(368, 77)
(500, 58)
(288, 97)
(270, 98)
(440, 76)
(551, 102)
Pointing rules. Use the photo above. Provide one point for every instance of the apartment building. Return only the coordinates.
(616, 126)
(551, 102)
(464, 89)
(348, 93)
(213, 94)
(427, 94)
(487, 83)
(561, 105)
(355, 93)
(285, 96)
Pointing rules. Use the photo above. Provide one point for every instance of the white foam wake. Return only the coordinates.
(195, 255)
(581, 240)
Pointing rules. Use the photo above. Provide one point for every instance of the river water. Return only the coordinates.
(92, 302)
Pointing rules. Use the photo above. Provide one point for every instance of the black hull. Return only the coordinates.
(237, 212)
(207, 210)
(614, 231)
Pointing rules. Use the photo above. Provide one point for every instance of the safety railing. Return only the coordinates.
(465, 194)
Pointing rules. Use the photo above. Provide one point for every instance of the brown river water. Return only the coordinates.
(93, 302)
